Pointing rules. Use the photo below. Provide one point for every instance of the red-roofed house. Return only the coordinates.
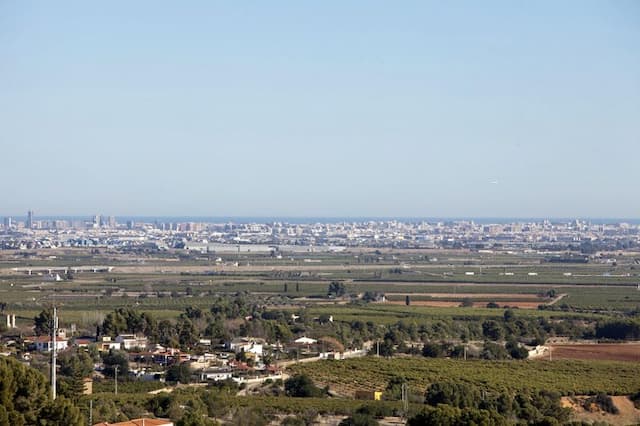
(44, 344)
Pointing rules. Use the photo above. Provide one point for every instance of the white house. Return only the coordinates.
(247, 345)
(44, 344)
(215, 374)
(106, 344)
(131, 341)
(305, 341)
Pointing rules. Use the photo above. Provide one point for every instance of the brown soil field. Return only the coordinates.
(628, 413)
(489, 296)
(447, 304)
(598, 351)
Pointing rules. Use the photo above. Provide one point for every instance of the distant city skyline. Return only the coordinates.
(111, 219)
(332, 109)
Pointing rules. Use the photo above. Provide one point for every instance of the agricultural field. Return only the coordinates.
(565, 377)
(436, 281)
(389, 314)
(356, 299)
(601, 351)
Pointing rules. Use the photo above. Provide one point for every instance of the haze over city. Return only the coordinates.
(421, 109)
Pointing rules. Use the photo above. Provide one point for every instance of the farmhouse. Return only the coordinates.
(131, 341)
(44, 344)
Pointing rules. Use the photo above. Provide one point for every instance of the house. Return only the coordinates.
(305, 341)
(201, 362)
(83, 342)
(240, 343)
(139, 422)
(247, 345)
(131, 341)
(215, 374)
(106, 344)
(44, 344)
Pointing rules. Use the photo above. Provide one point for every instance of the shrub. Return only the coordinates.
(302, 386)
(603, 401)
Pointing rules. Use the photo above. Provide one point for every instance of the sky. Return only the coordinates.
(332, 108)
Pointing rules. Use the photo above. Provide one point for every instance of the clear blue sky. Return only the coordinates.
(331, 108)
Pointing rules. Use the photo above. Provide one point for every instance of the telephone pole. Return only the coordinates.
(116, 370)
(405, 400)
(54, 332)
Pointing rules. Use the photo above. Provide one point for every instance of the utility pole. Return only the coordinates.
(54, 332)
(90, 412)
(405, 400)
(116, 370)
(378, 348)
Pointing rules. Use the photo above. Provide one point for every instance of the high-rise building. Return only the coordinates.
(96, 221)
(7, 223)
(112, 222)
(60, 224)
(30, 219)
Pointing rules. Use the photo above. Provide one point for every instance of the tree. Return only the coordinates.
(128, 320)
(516, 351)
(187, 335)
(493, 351)
(194, 418)
(61, 412)
(492, 330)
(71, 387)
(432, 350)
(166, 333)
(386, 348)
(115, 359)
(179, 373)
(509, 315)
(393, 391)
(331, 344)
(302, 386)
(618, 329)
(105, 410)
(466, 303)
(337, 289)
(25, 398)
(43, 322)
(460, 395)
(324, 318)
(446, 415)
(75, 361)
(359, 419)
(249, 417)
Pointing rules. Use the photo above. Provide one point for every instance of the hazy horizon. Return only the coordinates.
(288, 109)
(325, 219)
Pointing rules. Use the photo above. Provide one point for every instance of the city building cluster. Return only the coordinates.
(107, 231)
